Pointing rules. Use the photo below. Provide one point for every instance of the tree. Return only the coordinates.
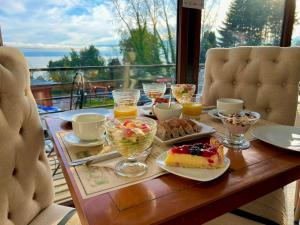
(85, 57)
(150, 15)
(143, 43)
(251, 22)
(90, 57)
(209, 40)
(115, 72)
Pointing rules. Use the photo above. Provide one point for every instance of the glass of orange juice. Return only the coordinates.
(126, 103)
(191, 107)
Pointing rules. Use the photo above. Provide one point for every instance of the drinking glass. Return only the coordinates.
(183, 90)
(237, 124)
(131, 137)
(154, 90)
(191, 106)
(126, 103)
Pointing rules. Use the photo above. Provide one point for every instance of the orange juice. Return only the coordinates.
(125, 112)
(192, 109)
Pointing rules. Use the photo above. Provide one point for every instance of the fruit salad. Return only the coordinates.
(131, 136)
(183, 90)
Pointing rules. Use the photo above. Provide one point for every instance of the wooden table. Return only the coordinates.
(172, 200)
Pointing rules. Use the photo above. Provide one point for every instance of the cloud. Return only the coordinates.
(75, 23)
(65, 23)
(11, 7)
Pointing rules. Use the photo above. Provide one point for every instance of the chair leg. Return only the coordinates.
(297, 201)
(56, 168)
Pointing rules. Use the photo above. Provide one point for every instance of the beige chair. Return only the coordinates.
(26, 189)
(267, 79)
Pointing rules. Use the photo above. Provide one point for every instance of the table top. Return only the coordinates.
(170, 199)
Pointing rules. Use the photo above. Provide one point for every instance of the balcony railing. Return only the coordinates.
(51, 87)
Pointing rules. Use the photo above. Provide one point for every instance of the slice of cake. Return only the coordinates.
(200, 155)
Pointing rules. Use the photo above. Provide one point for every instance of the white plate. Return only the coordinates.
(205, 131)
(72, 139)
(68, 115)
(193, 173)
(214, 113)
(279, 135)
(147, 111)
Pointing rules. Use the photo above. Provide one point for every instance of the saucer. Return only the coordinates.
(72, 139)
(147, 111)
(214, 114)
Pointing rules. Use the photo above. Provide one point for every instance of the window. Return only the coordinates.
(296, 28)
(109, 40)
(231, 23)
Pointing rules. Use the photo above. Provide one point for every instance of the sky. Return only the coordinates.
(64, 23)
(58, 23)
(71, 23)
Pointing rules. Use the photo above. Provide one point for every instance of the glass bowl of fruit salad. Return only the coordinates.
(180, 91)
(237, 124)
(131, 137)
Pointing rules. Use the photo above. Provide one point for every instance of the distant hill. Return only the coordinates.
(39, 57)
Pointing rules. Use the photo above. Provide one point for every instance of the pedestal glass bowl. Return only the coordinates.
(154, 90)
(180, 91)
(237, 124)
(131, 137)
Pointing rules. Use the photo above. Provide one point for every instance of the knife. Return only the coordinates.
(95, 158)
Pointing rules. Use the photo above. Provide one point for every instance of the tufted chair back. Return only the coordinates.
(266, 78)
(25, 180)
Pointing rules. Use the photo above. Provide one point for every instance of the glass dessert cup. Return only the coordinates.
(180, 91)
(191, 107)
(237, 124)
(126, 103)
(131, 138)
(154, 90)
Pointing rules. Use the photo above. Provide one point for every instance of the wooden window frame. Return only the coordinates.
(188, 44)
(1, 40)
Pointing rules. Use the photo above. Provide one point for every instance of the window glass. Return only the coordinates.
(231, 23)
(296, 28)
(115, 43)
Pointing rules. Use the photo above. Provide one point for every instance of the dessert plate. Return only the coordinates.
(214, 114)
(193, 173)
(205, 131)
(282, 136)
(72, 139)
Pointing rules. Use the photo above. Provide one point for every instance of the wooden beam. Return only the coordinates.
(188, 44)
(288, 23)
(1, 40)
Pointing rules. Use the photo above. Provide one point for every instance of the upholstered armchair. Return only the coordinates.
(267, 79)
(26, 194)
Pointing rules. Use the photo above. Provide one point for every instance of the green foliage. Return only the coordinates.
(115, 72)
(146, 48)
(208, 41)
(143, 43)
(252, 22)
(85, 57)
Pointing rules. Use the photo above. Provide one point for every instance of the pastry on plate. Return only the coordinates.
(174, 128)
(200, 155)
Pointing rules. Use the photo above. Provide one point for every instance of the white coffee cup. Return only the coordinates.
(88, 126)
(230, 105)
